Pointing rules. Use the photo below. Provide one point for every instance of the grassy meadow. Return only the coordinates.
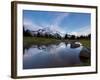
(86, 42)
(39, 40)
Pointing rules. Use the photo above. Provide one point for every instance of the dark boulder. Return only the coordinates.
(75, 45)
(85, 53)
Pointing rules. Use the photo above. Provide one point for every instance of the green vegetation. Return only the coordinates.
(86, 42)
(39, 40)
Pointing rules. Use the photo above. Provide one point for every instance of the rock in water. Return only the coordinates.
(85, 53)
(75, 45)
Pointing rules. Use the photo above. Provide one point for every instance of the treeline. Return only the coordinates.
(67, 36)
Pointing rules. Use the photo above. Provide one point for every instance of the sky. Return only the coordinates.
(64, 22)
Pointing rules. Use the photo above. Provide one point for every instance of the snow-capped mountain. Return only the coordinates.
(43, 32)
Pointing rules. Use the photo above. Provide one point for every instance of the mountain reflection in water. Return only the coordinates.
(53, 55)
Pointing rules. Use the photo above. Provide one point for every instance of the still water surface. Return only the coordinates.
(53, 55)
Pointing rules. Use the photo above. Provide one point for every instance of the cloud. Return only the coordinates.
(55, 26)
(73, 33)
(82, 31)
(28, 24)
(57, 21)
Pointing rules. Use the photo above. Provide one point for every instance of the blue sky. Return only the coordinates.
(64, 22)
